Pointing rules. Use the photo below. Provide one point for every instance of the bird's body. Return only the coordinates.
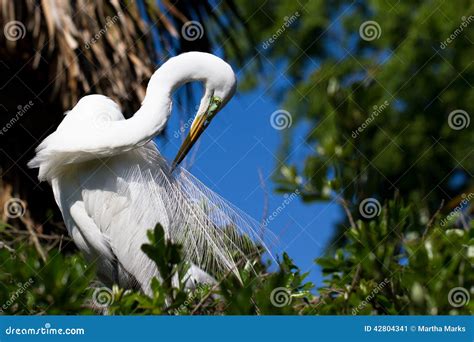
(109, 204)
(112, 185)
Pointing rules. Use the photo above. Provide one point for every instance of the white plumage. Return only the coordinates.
(112, 185)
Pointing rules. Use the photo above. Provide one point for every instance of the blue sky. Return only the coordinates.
(241, 141)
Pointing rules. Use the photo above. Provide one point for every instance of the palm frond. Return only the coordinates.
(106, 46)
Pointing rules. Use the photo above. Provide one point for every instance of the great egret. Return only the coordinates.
(112, 184)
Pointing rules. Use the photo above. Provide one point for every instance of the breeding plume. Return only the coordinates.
(112, 184)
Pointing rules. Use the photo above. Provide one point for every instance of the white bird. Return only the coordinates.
(112, 185)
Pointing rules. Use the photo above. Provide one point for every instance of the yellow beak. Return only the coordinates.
(195, 132)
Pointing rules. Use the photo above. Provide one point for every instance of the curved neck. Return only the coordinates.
(78, 139)
(154, 113)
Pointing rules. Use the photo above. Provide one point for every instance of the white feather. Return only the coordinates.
(112, 185)
(124, 196)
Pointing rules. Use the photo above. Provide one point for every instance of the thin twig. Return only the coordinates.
(34, 237)
(431, 220)
(8, 248)
(343, 202)
(42, 236)
(61, 242)
(215, 287)
(356, 279)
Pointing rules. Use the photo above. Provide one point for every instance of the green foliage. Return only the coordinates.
(61, 285)
(166, 297)
(398, 89)
(248, 293)
(28, 285)
(378, 114)
(166, 255)
(388, 267)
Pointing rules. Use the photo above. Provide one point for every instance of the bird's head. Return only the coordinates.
(220, 86)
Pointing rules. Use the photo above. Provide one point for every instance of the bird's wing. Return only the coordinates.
(215, 235)
(79, 137)
(128, 194)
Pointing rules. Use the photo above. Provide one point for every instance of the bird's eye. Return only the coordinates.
(213, 107)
